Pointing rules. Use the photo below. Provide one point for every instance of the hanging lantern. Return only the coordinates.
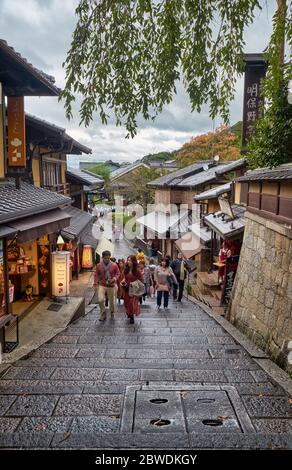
(87, 259)
(60, 242)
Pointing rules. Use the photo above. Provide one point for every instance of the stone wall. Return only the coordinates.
(261, 304)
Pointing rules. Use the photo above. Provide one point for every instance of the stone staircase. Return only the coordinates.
(207, 291)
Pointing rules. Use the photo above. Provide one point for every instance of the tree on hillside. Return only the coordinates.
(222, 142)
(138, 190)
(102, 170)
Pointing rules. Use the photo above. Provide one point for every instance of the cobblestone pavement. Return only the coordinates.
(174, 379)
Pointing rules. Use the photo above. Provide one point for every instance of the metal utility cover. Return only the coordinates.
(54, 307)
(184, 408)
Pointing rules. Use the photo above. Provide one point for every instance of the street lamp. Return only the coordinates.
(60, 242)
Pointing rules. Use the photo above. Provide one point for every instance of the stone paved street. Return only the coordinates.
(96, 385)
(174, 379)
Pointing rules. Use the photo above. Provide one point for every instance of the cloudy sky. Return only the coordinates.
(41, 31)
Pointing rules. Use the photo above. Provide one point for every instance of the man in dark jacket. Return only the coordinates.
(180, 269)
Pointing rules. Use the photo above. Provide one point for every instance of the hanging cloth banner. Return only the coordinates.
(16, 131)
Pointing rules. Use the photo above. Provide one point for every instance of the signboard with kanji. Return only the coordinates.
(16, 131)
(230, 272)
(253, 103)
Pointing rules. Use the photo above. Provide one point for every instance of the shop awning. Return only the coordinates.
(78, 223)
(224, 226)
(189, 245)
(6, 231)
(36, 226)
(160, 222)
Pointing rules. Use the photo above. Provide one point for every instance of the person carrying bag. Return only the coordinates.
(133, 288)
(164, 279)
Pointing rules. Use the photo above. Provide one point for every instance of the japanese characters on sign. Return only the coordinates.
(16, 132)
(230, 272)
(253, 104)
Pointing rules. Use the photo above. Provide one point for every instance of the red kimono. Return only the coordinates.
(132, 304)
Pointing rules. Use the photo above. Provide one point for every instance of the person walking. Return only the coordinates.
(132, 274)
(152, 267)
(105, 279)
(164, 277)
(140, 255)
(120, 293)
(180, 269)
(147, 279)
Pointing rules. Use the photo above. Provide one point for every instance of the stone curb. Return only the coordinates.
(277, 374)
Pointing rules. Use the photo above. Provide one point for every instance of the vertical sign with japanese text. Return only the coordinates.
(253, 101)
(230, 272)
(16, 131)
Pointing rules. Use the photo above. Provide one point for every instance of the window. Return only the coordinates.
(51, 173)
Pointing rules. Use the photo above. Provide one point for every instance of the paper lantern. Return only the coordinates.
(87, 259)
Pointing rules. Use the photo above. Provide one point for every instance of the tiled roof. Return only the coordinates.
(77, 147)
(226, 227)
(281, 172)
(211, 174)
(126, 169)
(47, 80)
(85, 178)
(79, 221)
(213, 192)
(16, 203)
(197, 174)
(173, 178)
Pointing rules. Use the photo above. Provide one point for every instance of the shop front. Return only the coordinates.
(25, 260)
(79, 240)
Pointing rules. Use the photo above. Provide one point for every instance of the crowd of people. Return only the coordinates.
(134, 279)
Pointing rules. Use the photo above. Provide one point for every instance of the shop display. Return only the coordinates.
(44, 265)
(17, 261)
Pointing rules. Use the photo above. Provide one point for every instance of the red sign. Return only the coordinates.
(16, 131)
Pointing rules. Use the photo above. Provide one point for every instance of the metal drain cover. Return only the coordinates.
(179, 408)
(54, 307)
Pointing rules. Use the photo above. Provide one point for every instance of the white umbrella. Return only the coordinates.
(103, 245)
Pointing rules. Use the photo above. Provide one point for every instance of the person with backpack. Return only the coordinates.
(180, 269)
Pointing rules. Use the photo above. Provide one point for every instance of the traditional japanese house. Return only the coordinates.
(47, 148)
(176, 191)
(121, 181)
(261, 299)
(30, 217)
(83, 187)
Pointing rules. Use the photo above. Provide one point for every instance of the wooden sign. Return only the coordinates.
(230, 272)
(253, 102)
(16, 132)
(60, 273)
(225, 207)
